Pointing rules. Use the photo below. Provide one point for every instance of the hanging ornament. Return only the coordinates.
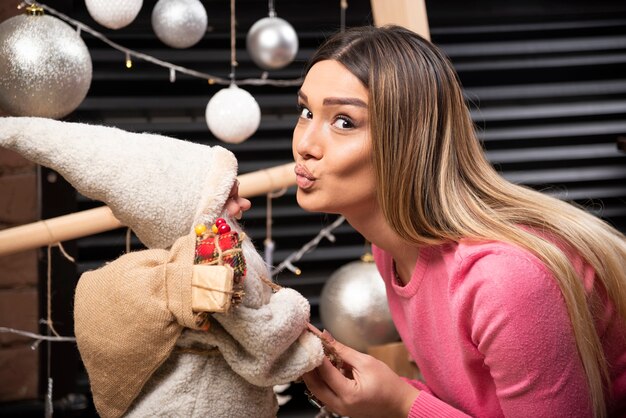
(113, 14)
(179, 23)
(353, 306)
(272, 43)
(45, 68)
(233, 115)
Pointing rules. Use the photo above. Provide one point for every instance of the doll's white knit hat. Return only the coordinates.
(159, 186)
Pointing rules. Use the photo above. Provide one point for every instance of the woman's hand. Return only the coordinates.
(235, 204)
(369, 387)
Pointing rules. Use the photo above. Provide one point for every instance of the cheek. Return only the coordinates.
(354, 177)
(359, 183)
(353, 160)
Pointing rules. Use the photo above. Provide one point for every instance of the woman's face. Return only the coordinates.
(331, 143)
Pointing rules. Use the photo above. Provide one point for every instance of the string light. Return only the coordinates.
(212, 79)
(297, 255)
(172, 75)
(268, 242)
(37, 337)
(343, 5)
(129, 62)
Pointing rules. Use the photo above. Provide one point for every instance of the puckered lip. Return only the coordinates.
(301, 170)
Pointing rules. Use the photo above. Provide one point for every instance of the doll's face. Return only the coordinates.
(235, 205)
(331, 143)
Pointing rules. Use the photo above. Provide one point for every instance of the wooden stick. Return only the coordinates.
(268, 180)
(408, 13)
(101, 219)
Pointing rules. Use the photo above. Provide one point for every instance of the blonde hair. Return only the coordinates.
(436, 185)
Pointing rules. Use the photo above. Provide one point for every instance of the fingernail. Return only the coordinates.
(327, 337)
(239, 215)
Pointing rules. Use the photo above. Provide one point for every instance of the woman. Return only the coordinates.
(512, 303)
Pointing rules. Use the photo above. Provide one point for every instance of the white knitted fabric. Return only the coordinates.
(261, 343)
(159, 186)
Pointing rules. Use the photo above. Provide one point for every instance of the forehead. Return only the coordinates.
(330, 78)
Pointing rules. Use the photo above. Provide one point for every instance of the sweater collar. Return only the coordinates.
(419, 271)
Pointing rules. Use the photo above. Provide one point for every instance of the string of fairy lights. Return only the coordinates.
(130, 54)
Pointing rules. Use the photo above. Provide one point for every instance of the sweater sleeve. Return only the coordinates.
(511, 313)
(427, 405)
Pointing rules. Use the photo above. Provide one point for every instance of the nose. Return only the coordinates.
(307, 142)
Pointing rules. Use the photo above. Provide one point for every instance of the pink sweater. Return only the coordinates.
(487, 326)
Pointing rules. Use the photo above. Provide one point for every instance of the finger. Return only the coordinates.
(317, 386)
(320, 389)
(235, 207)
(349, 355)
(231, 207)
(334, 378)
(235, 204)
(244, 204)
(314, 329)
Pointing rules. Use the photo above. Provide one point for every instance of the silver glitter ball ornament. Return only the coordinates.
(272, 43)
(45, 68)
(179, 23)
(113, 14)
(353, 307)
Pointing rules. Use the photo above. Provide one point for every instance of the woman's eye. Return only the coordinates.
(304, 112)
(343, 122)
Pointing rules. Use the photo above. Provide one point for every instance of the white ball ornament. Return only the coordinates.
(233, 115)
(272, 43)
(353, 307)
(179, 23)
(113, 14)
(45, 69)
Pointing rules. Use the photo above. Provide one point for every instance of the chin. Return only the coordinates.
(305, 201)
(308, 202)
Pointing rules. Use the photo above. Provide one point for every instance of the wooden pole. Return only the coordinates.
(408, 13)
(101, 219)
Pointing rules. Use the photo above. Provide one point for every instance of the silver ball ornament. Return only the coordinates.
(353, 307)
(45, 68)
(272, 43)
(179, 23)
(233, 115)
(113, 14)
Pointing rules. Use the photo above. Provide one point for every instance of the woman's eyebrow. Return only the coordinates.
(333, 101)
(352, 101)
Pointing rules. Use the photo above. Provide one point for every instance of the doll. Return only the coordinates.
(154, 337)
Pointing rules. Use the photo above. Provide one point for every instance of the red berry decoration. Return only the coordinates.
(223, 229)
(220, 221)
